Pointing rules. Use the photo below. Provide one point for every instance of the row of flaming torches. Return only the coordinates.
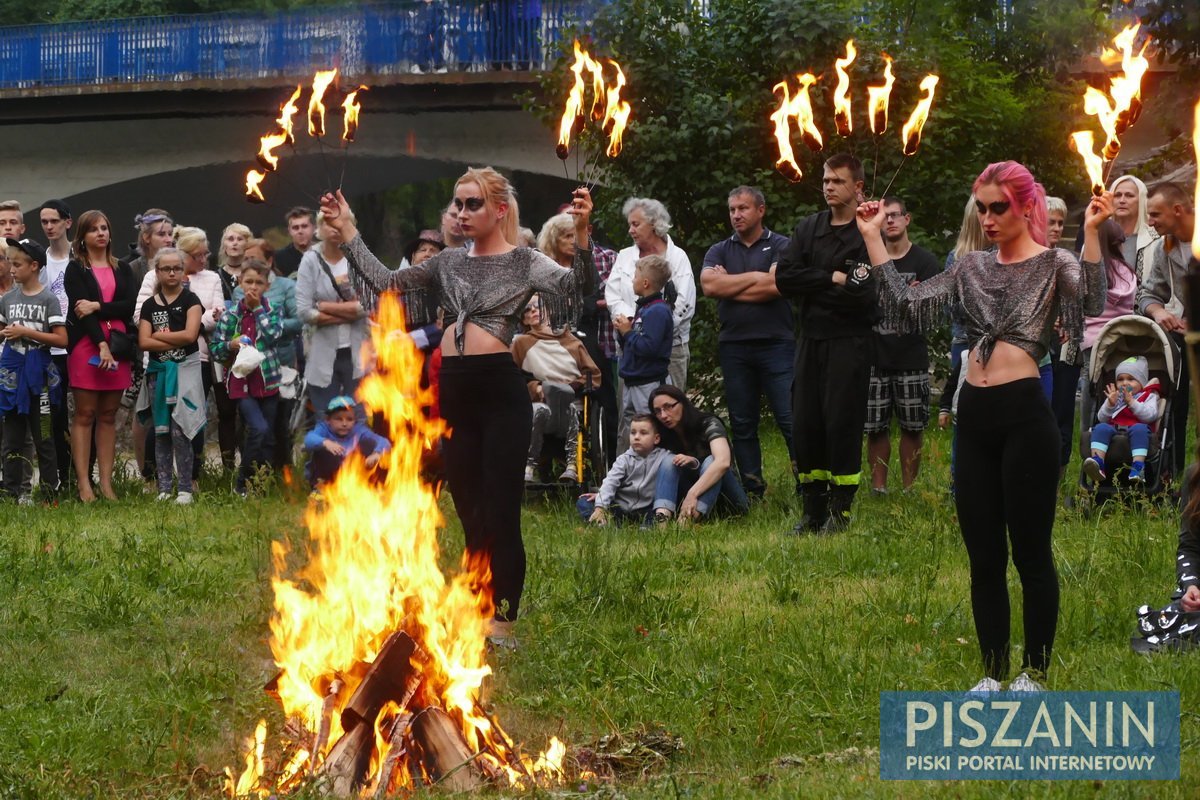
(285, 132)
(799, 107)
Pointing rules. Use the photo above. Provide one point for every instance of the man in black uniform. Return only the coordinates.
(825, 267)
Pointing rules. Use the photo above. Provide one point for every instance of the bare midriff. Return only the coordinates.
(478, 342)
(1008, 363)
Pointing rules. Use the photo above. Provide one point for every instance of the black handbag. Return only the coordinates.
(122, 346)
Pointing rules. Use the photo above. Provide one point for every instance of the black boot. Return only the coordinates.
(840, 500)
(815, 497)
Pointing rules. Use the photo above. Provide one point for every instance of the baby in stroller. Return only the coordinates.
(1132, 402)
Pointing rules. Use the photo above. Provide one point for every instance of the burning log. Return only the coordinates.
(335, 688)
(391, 676)
(444, 753)
(397, 755)
(346, 766)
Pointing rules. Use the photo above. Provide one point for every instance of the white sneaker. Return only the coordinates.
(986, 685)
(530, 474)
(164, 496)
(184, 499)
(25, 500)
(1024, 683)
(569, 474)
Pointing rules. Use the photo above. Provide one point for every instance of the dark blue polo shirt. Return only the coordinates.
(740, 321)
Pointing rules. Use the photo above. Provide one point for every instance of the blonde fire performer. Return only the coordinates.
(483, 395)
(1007, 472)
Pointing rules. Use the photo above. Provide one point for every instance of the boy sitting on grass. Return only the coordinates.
(31, 322)
(645, 340)
(333, 440)
(628, 489)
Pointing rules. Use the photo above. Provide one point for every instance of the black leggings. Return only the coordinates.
(486, 404)
(1006, 481)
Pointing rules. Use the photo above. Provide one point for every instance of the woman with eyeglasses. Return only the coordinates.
(154, 232)
(483, 397)
(701, 469)
(1006, 478)
(192, 244)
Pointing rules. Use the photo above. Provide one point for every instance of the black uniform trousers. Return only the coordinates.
(829, 410)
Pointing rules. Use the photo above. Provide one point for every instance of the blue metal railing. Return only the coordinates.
(404, 37)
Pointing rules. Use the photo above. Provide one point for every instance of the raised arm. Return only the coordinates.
(918, 308)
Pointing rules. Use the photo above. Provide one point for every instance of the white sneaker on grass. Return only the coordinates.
(25, 500)
(1024, 683)
(163, 496)
(569, 474)
(184, 499)
(986, 685)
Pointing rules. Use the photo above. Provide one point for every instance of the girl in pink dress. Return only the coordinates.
(100, 299)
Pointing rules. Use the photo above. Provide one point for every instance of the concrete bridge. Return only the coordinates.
(167, 111)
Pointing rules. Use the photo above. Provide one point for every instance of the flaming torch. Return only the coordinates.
(878, 97)
(316, 108)
(286, 113)
(616, 113)
(1083, 142)
(800, 108)
(573, 119)
(350, 111)
(1119, 108)
(841, 95)
(253, 193)
(910, 134)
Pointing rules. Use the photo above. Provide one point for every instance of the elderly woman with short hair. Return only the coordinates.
(649, 222)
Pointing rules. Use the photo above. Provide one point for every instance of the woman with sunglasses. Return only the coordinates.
(1007, 472)
(483, 292)
(701, 469)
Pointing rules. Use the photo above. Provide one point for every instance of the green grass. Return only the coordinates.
(135, 640)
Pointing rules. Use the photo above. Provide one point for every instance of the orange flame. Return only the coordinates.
(841, 95)
(351, 108)
(878, 97)
(253, 179)
(616, 113)
(251, 778)
(1196, 155)
(316, 108)
(574, 106)
(1120, 106)
(266, 158)
(1084, 143)
(286, 112)
(800, 108)
(910, 134)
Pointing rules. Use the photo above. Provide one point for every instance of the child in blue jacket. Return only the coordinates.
(333, 440)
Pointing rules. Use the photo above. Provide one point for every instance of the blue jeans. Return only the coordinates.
(343, 382)
(258, 417)
(585, 506)
(1139, 438)
(752, 369)
(674, 482)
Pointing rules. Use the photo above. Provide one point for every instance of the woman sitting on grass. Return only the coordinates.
(701, 469)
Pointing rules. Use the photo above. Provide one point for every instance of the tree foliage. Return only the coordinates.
(701, 89)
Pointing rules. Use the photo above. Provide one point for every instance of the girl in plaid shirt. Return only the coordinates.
(252, 323)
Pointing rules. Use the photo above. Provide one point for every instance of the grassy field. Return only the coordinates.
(134, 641)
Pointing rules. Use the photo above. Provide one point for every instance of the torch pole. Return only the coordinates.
(903, 161)
(1109, 166)
(1191, 339)
(875, 167)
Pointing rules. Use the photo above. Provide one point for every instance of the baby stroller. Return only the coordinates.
(1122, 338)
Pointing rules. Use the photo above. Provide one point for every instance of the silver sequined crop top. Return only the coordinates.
(489, 291)
(1016, 303)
